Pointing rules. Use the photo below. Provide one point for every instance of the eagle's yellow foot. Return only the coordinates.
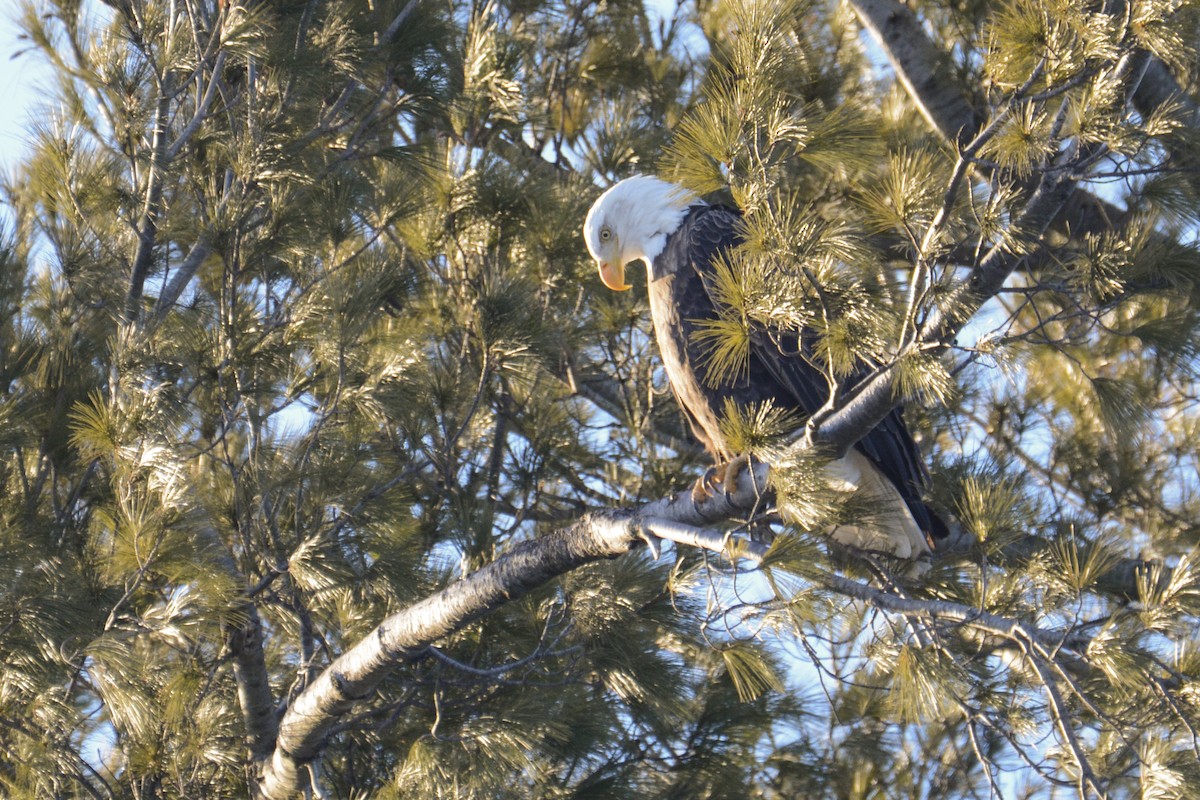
(722, 477)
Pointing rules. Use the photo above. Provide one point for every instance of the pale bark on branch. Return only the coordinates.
(246, 646)
(184, 273)
(405, 635)
(147, 229)
(921, 68)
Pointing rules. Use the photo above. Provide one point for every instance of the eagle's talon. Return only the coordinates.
(732, 469)
(722, 478)
(652, 542)
(705, 486)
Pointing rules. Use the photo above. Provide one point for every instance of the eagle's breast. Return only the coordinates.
(678, 301)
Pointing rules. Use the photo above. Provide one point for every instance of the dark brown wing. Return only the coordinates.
(781, 367)
(889, 445)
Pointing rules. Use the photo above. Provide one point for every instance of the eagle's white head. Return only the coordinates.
(632, 220)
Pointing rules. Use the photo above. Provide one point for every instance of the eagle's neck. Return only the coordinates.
(654, 246)
(654, 210)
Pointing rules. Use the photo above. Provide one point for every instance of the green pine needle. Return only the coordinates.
(908, 196)
(756, 429)
(992, 508)
(750, 670)
(1121, 406)
(918, 690)
(1023, 141)
(924, 376)
(1080, 565)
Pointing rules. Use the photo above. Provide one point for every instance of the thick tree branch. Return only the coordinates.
(702, 538)
(921, 67)
(1159, 89)
(404, 636)
(202, 108)
(183, 274)
(245, 643)
(399, 20)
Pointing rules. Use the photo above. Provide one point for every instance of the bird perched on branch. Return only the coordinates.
(684, 242)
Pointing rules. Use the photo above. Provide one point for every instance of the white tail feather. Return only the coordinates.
(891, 528)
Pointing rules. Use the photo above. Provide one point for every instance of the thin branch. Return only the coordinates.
(1061, 716)
(399, 20)
(147, 231)
(183, 275)
(202, 108)
(703, 538)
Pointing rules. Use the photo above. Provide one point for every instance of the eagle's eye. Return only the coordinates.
(605, 234)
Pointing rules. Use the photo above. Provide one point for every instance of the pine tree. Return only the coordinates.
(327, 466)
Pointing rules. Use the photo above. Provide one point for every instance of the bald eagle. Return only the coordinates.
(679, 237)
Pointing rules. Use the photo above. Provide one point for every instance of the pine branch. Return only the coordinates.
(1057, 187)
(399, 20)
(946, 611)
(922, 68)
(202, 107)
(1061, 714)
(404, 636)
(245, 643)
(1159, 88)
(77, 767)
(604, 392)
(183, 275)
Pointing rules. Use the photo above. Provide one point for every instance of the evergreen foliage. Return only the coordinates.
(299, 338)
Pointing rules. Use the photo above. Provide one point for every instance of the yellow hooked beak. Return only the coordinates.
(613, 275)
